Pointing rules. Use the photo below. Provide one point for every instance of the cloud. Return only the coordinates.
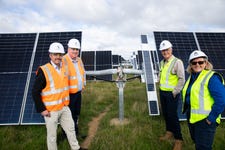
(112, 24)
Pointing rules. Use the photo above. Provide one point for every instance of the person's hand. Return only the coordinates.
(208, 122)
(45, 113)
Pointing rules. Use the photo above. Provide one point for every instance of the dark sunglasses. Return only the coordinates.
(75, 49)
(197, 62)
(57, 54)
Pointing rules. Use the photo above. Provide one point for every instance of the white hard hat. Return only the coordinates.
(165, 44)
(197, 54)
(56, 48)
(74, 43)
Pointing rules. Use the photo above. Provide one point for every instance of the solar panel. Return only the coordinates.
(104, 61)
(15, 54)
(88, 58)
(213, 44)
(149, 77)
(30, 115)
(140, 60)
(150, 84)
(183, 44)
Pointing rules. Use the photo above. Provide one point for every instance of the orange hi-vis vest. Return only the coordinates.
(55, 95)
(72, 75)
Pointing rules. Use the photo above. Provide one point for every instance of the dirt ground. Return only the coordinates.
(93, 127)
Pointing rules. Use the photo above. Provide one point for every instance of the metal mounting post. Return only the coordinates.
(121, 84)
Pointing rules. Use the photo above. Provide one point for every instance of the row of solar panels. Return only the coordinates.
(22, 54)
(213, 44)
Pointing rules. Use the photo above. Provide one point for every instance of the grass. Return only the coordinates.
(140, 134)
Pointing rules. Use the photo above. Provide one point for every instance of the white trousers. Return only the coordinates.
(64, 117)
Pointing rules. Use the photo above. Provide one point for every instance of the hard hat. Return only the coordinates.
(74, 43)
(56, 48)
(165, 44)
(197, 54)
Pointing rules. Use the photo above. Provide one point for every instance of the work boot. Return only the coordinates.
(178, 145)
(167, 136)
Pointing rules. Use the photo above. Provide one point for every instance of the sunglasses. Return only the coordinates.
(197, 62)
(75, 49)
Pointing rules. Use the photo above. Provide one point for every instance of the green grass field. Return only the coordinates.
(141, 133)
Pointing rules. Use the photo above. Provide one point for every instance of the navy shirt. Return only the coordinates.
(217, 91)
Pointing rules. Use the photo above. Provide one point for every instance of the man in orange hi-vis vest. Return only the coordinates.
(51, 96)
(77, 78)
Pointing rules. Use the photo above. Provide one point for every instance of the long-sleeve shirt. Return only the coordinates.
(177, 69)
(39, 84)
(217, 91)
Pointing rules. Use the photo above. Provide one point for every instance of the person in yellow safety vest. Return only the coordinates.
(77, 79)
(171, 81)
(203, 100)
(51, 96)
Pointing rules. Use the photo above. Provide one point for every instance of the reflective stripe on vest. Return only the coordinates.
(56, 102)
(168, 81)
(200, 98)
(69, 66)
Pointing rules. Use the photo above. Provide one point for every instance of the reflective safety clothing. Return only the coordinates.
(72, 75)
(168, 80)
(201, 100)
(55, 95)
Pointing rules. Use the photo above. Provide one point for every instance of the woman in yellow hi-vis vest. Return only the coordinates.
(171, 82)
(204, 100)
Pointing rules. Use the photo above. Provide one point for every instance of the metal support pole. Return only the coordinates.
(121, 84)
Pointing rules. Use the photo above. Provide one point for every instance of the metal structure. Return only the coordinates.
(120, 82)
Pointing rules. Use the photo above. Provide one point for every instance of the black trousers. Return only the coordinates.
(75, 108)
(169, 106)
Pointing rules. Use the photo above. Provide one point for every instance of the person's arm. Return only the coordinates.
(217, 91)
(179, 70)
(39, 84)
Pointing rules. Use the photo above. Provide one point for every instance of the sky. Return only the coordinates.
(112, 24)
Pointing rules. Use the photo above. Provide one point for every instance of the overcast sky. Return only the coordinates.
(112, 24)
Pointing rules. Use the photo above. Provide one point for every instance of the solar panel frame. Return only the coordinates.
(183, 44)
(30, 116)
(15, 53)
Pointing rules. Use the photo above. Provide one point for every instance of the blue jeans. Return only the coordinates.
(202, 134)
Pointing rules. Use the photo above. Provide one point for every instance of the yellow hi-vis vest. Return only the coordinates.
(55, 95)
(168, 81)
(72, 75)
(200, 99)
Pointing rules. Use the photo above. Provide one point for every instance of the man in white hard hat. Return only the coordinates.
(52, 101)
(171, 81)
(77, 78)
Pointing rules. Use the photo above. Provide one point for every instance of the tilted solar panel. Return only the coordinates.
(15, 54)
(104, 61)
(30, 115)
(88, 58)
(150, 84)
(183, 44)
(213, 44)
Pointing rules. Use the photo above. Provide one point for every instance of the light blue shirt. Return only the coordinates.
(79, 77)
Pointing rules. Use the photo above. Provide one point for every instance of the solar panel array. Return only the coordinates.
(97, 60)
(21, 55)
(149, 77)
